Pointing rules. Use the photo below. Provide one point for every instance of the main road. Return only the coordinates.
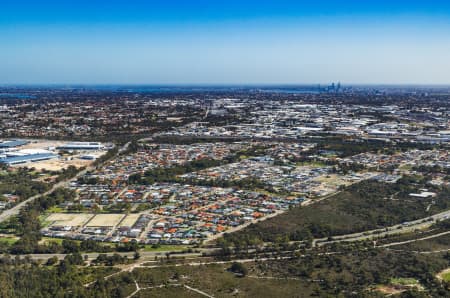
(5, 215)
(404, 227)
(146, 255)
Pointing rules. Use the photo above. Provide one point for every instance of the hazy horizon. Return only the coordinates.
(230, 43)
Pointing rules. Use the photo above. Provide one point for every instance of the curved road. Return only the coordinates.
(392, 230)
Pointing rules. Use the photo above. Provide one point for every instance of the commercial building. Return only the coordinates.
(12, 143)
(81, 146)
(11, 159)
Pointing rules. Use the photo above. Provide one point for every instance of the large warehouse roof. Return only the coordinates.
(12, 143)
(81, 146)
(10, 160)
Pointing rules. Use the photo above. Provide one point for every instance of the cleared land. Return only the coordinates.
(57, 164)
(105, 220)
(129, 220)
(332, 180)
(444, 275)
(68, 219)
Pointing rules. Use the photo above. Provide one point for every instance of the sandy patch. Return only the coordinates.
(62, 162)
(443, 273)
(390, 290)
(105, 220)
(68, 219)
(129, 220)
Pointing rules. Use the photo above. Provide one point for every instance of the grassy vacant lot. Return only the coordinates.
(403, 281)
(55, 209)
(363, 206)
(8, 240)
(446, 276)
(48, 240)
(164, 247)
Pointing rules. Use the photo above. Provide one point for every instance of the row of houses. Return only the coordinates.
(188, 214)
(152, 156)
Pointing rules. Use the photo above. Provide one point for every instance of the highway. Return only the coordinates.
(415, 240)
(405, 227)
(145, 255)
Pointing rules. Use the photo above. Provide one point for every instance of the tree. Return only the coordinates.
(70, 246)
(52, 261)
(137, 255)
(239, 268)
(74, 259)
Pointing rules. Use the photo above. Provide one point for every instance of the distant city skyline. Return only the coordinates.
(227, 43)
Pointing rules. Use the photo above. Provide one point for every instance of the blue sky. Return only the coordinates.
(224, 42)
